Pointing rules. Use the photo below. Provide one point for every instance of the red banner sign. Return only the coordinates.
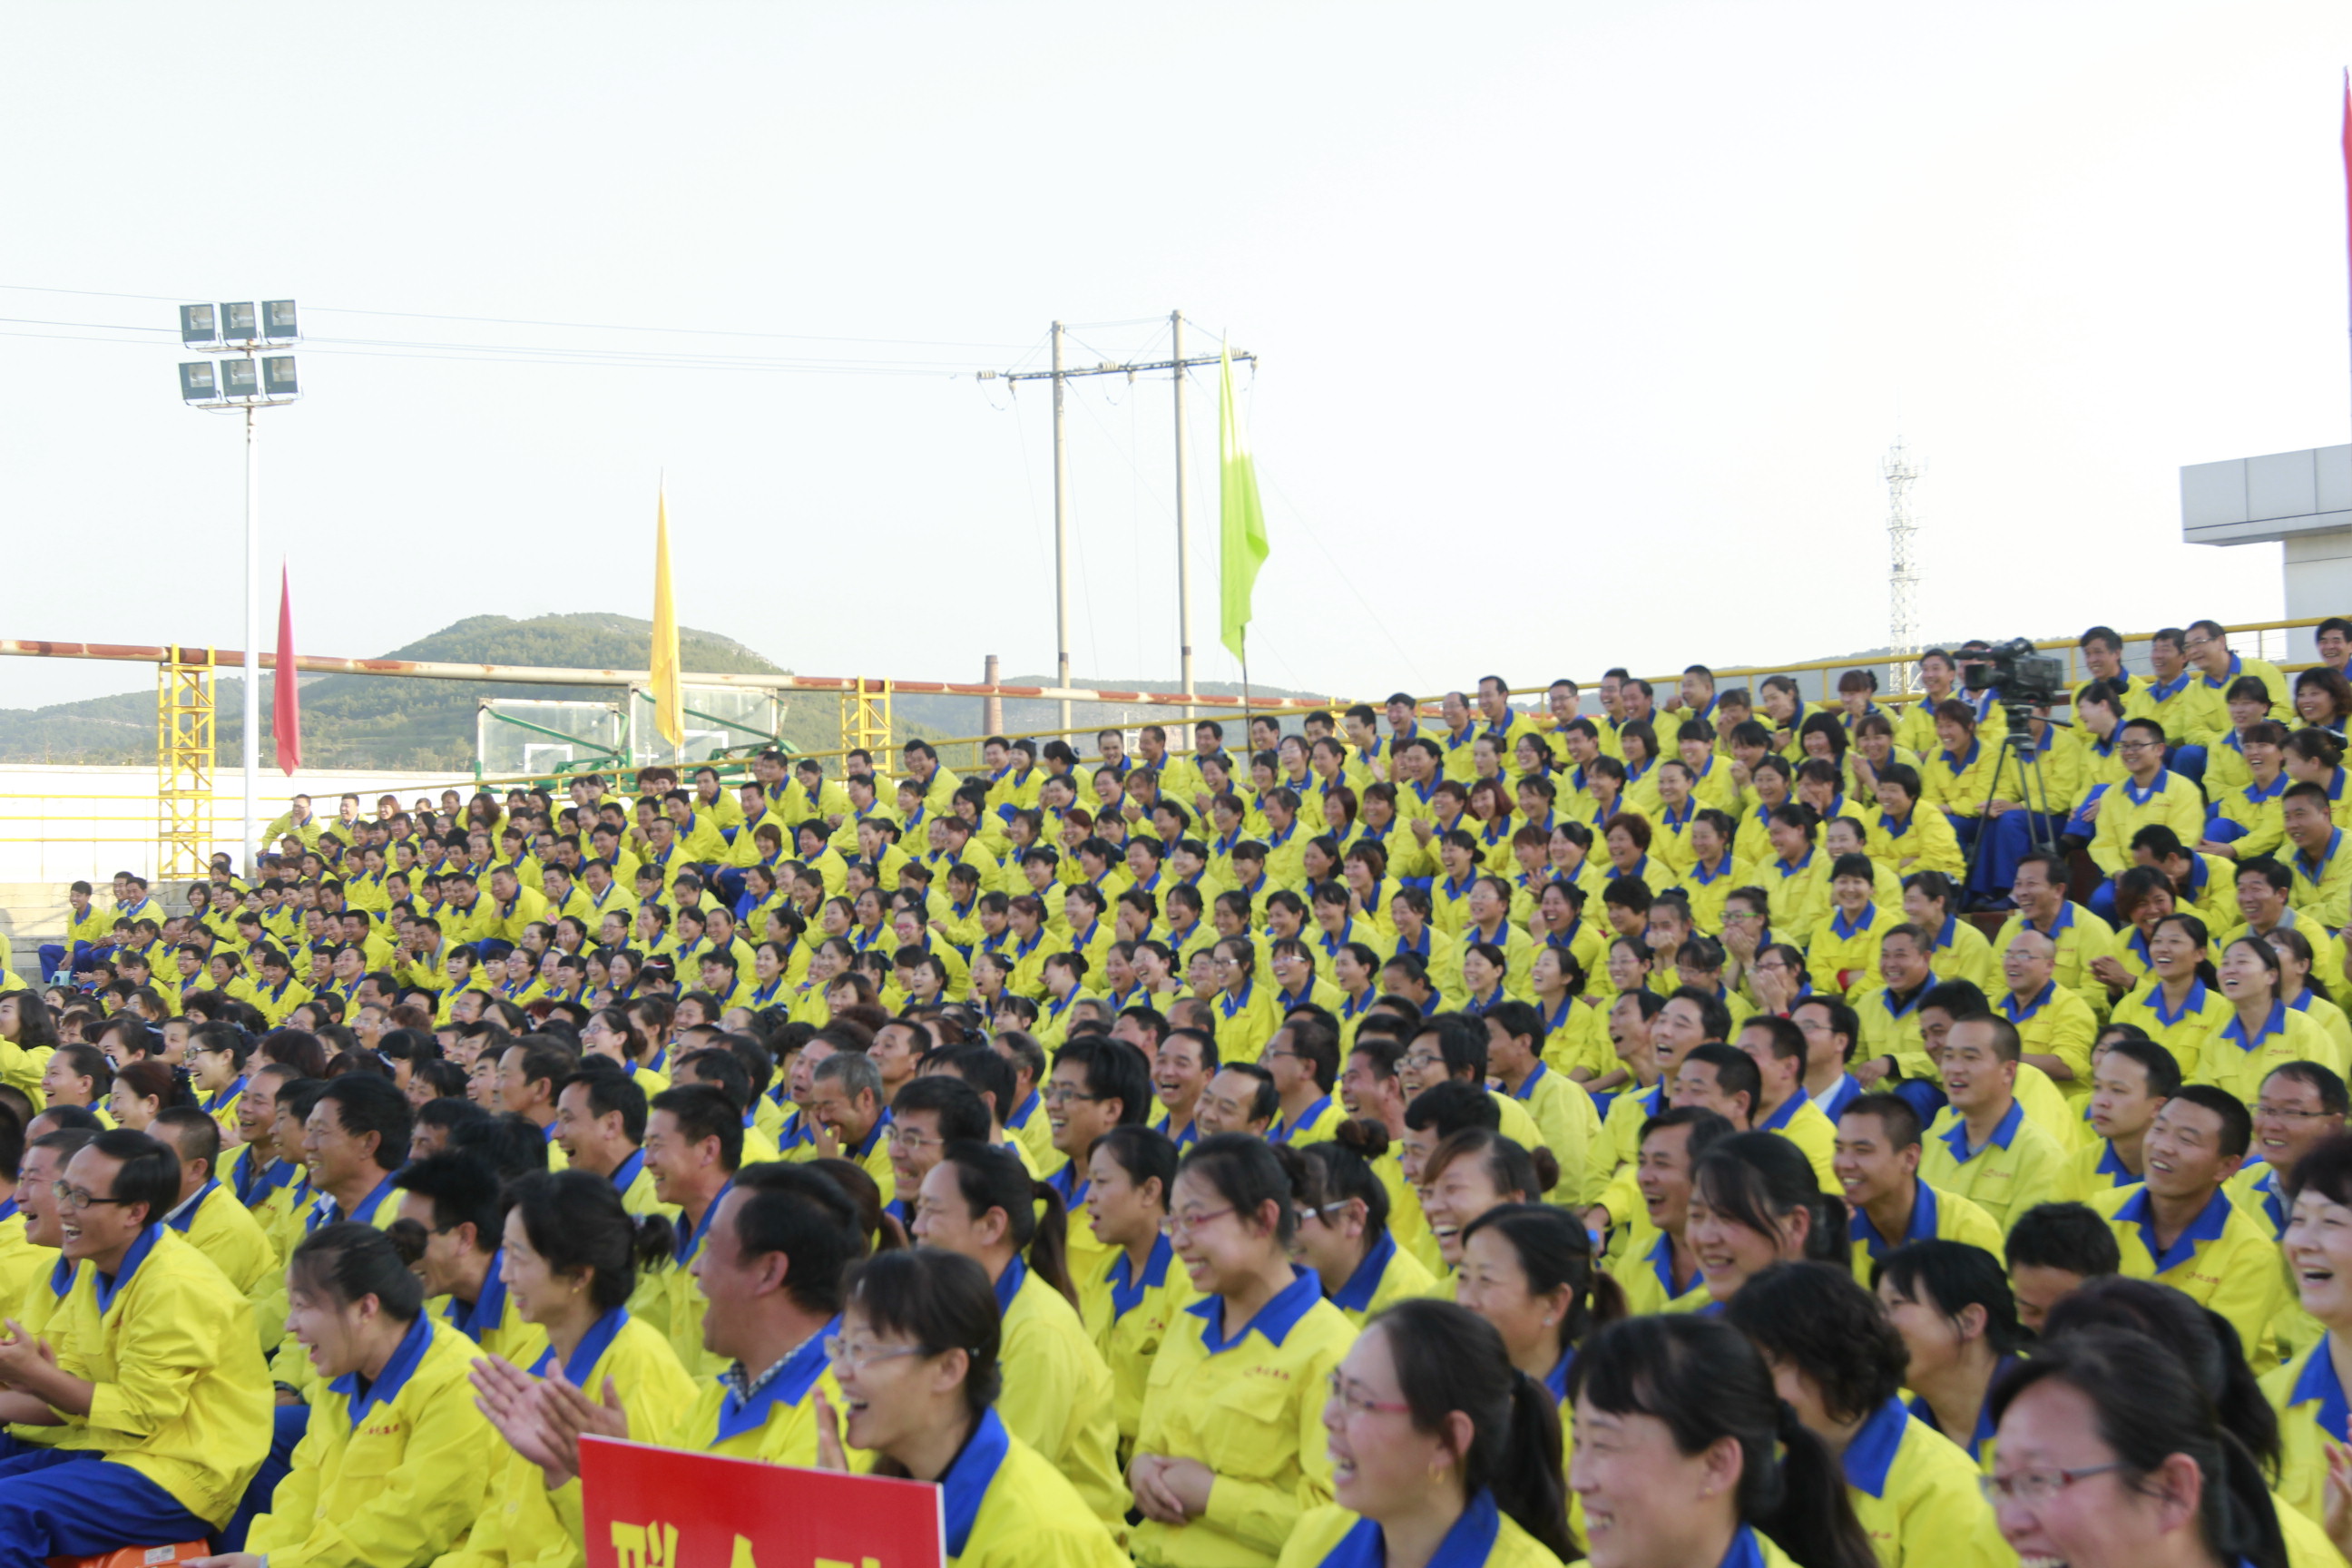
(663, 1508)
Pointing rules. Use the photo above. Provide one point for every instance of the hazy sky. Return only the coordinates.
(1584, 329)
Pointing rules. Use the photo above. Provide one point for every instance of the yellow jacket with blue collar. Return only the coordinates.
(2091, 1170)
(1644, 1270)
(1484, 1537)
(1961, 783)
(1128, 1317)
(2171, 802)
(523, 1522)
(181, 1395)
(2082, 938)
(1570, 1126)
(1796, 896)
(2055, 1022)
(1847, 945)
(2273, 681)
(1058, 1396)
(2313, 1412)
(1935, 1216)
(1006, 1506)
(2257, 811)
(1251, 1408)
(224, 1230)
(2185, 1031)
(2232, 1062)
(1386, 1274)
(1924, 841)
(2323, 883)
(1917, 1494)
(777, 1423)
(2010, 1173)
(1319, 1124)
(2224, 1259)
(22, 1264)
(2192, 712)
(388, 1474)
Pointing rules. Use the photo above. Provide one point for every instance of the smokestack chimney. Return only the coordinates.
(992, 708)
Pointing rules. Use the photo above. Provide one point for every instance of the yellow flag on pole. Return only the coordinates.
(669, 704)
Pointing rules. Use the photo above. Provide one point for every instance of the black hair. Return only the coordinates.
(962, 1114)
(1146, 1154)
(700, 1112)
(150, 1173)
(1815, 1317)
(1247, 1173)
(1949, 1277)
(803, 1213)
(2073, 1237)
(347, 1261)
(1754, 1179)
(2149, 1407)
(610, 1089)
(1453, 1107)
(463, 1189)
(990, 1176)
(575, 1222)
(1555, 1252)
(1114, 1070)
(2206, 1343)
(1447, 1358)
(1706, 1382)
(942, 1301)
(366, 1103)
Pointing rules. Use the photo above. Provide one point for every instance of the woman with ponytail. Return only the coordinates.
(1441, 1451)
(1838, 1361)
(1231, 1451)
(1343, 1223)
(1686, 1457)
(980, 1201)
(2112, 1456)
(1756, 1202)
(1528, 1269)
(2206, 1348)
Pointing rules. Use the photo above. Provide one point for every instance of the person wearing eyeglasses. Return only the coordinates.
(2150, 793)
(2111, 1456)
(1441, 1451)
(916, 1359)
(981, 1202)
(150, 1365)
(1230, 1452)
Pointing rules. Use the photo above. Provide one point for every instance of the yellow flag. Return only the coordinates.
(669, 705)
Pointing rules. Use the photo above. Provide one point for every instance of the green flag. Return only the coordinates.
(1241, 519)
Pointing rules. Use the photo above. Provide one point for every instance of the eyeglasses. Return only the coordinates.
(901, 1136)
(2287, 1113)
(1422, 1061)
(840, 1352)
(1356, 1404)
(1062, 1093)
(1185, 1223)
(2034, 1487)
(76, 1201)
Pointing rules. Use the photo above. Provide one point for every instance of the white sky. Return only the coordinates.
(1584, 329)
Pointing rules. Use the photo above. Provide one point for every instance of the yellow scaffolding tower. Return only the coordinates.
(866, 716)
(184, 763)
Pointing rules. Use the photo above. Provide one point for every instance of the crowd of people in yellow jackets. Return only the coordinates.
(1485, 1135)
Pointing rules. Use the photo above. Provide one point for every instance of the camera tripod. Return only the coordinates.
(2019, 753)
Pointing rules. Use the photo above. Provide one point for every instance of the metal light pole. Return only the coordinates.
(1183, 549)
(239, 380)
(1061, 532)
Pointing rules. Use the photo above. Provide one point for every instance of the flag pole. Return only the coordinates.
(1247, 699)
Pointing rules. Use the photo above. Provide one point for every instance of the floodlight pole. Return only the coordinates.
(250, 829)
(1183, 550)
(1061, 535)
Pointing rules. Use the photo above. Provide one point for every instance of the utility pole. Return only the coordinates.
(1061, 375)
(1061, 532)
(1903, 568)
(1184, 548)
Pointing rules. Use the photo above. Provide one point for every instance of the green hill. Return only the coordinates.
(376, 721)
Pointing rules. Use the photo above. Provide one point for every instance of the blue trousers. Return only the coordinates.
(1924, 1097)
(56, 958)
(75, 1504)
(2009, 839)
(728, 881)
(2188, 762)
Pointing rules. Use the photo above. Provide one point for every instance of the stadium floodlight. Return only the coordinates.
(199, 327)
(241, 380)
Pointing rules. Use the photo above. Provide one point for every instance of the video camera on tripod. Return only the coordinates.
(2018, 676)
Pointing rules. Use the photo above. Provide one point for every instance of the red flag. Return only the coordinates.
(286, 722)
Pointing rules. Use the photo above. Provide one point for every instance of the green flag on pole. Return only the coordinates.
(1241, 519)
